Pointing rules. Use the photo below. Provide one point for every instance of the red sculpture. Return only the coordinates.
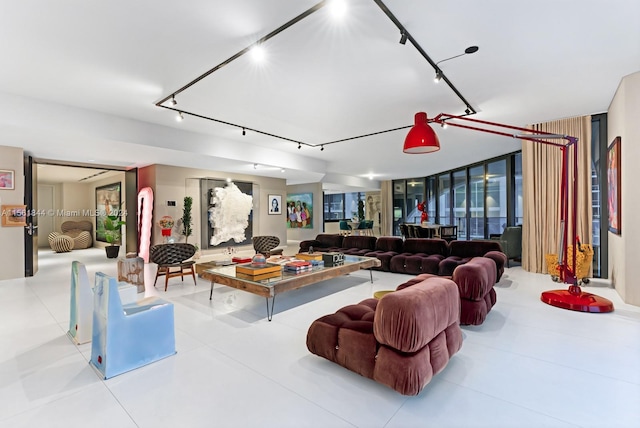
(422, 207)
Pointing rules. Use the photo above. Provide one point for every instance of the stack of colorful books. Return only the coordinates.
(298, 266)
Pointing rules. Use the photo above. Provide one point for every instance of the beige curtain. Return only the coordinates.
(386, 208)
(541, 175)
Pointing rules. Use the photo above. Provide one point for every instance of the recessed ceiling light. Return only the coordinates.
(370, 176)
(338, 8)
(282, 170)
(258, 53)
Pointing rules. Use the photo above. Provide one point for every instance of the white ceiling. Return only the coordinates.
(80, 79)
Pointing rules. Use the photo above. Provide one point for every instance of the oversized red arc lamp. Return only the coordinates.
(422, 139)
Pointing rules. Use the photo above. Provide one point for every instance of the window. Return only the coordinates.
(334, 207)
(476, 201)
(496, 200)
(415, 195)
(399, 191)
(460, 202)
(444, 199)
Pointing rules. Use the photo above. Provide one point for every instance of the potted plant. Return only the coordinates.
(113, 234)
(186, 218)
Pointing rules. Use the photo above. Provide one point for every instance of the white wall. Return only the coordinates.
(12, 238)
(171, 183)
(624, 251)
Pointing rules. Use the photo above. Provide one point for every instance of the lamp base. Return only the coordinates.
(576, 300)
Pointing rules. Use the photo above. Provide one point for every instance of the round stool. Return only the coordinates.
(378, 294)
(62, 244)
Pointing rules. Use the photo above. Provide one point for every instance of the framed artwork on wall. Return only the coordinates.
(107, 203)
(7, 181)
(275, 204)
(14, 215)
(300, 211)
(613, 185)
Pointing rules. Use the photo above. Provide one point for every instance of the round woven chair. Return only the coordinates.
(172, 261)
(60, 243)
(266, 245)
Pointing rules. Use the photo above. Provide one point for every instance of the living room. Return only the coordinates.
(94, 106)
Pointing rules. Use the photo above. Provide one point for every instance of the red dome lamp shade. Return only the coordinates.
(421, 138)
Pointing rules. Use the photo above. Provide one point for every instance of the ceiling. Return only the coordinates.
(53, 174)
(79, 80)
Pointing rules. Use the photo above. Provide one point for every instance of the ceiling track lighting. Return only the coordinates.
(438, 76)
(322, 147)
(404, 36)
(255, 166)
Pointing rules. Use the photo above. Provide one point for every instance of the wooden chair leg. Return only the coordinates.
(157, 275)
(166, 279)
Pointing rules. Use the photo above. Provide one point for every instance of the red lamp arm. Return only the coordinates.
(567, 274)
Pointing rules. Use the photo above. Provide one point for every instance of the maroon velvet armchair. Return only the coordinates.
(400, 341)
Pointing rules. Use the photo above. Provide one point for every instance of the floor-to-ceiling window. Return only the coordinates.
(460, 202)
(399, 190)
(444, 199)
(480, 199)
(517, 182)
(431, 198)
(476, 202)
(496, 200)
(415, 195)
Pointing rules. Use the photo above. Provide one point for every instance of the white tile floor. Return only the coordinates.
(528, 365)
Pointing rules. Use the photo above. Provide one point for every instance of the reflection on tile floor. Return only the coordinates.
(528, 365)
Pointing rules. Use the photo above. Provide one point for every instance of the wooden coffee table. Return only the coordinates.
(286, 281)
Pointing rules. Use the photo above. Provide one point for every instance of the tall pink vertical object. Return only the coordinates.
(145, 221)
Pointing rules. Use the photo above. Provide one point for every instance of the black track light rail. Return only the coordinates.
(272, 34)
(405, 35)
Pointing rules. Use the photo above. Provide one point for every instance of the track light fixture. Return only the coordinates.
(255, 166)
(255, 49)
(282, 170)
(322, 147)
(403, 37)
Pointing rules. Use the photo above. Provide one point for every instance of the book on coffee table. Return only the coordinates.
(307, 256)
(249, 269)
(259, 277)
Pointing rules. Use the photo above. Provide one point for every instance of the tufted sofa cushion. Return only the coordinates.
(358, 245)
(419, 256)
(323, 242)
(386, 248)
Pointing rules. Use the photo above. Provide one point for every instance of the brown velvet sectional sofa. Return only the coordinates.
(400, 341)
(412, 256)
(475, 266)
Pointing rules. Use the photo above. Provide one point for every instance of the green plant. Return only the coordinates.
(360, 210)
(186, 217)
(113, 229)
